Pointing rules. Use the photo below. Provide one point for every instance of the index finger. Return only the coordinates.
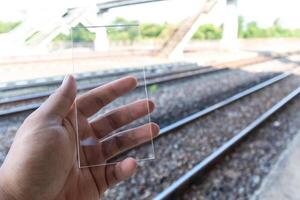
(92, 101)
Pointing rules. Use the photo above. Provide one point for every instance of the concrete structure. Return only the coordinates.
(35, 34)
(283, 182)
(101, 42)
(103, 7)
(173, 47)
(230, 27)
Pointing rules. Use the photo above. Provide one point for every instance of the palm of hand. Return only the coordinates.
(42, 161)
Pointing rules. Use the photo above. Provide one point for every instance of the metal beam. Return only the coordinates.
(120, 3)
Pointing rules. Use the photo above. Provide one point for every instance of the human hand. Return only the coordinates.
(41, 163)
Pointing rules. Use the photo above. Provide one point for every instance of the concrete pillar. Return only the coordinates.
(101, 42)
(230, 27)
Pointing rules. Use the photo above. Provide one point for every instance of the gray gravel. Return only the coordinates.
(151, 75)
(186, 146)
(210, 89)
(151, 69)
(201, 90)
(193, 94)
(192, 142)
(241, 173)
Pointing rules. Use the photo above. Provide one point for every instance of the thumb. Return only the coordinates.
(60, 102)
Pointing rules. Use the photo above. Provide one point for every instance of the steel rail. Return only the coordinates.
(26, 97)
(80, 77)
(223, 103)
(223, 149)
(243, 62)
(90, 75)
(238, 63)
(156, 80)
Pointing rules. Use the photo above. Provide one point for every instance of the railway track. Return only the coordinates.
(87, 86)
(208, 162)
(121, 72)
(88, 76)
(178, 185)
(223, 103)
(56, 81)
(151, 80)
(256, 60)
(82, 86)
(223, 150)
(231, 143)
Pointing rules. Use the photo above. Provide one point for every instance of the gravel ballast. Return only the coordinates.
(182, 149)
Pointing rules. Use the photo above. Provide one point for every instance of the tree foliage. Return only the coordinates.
(208, 32)
(151, 30)
(79, 34)
(7, 26)
(127, 31)
(252, 30)
(164, 31)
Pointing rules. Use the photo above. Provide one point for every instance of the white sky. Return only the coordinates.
(262, 11)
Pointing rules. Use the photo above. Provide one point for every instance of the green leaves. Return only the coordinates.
(153, 88)
(252, 30)
(8, 26)
(208, 32)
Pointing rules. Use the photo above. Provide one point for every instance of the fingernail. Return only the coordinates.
(151, 105)
(67, 77)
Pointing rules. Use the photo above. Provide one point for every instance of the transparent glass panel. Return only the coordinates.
(113, 120)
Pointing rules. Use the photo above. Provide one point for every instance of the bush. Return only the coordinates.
(127, 33)
(80, 34)
(8, 26)
(151, 30)
(164, 31)
(252, 30)
(208, 32)
(167, 31)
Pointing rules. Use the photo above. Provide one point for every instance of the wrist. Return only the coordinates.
(4, 195)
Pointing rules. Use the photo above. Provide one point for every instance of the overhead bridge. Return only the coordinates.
(38, 35)
(121, 3)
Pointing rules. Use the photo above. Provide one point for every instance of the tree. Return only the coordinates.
(241, 22)
(208, 32)
(8, 26)
(127, 30)
(79, 34)
(151, 30)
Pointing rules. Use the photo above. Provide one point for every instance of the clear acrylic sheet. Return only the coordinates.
(109, 57)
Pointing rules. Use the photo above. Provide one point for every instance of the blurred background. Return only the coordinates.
(213, 68)
(192, 30)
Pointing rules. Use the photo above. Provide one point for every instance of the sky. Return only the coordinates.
(173, 11)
